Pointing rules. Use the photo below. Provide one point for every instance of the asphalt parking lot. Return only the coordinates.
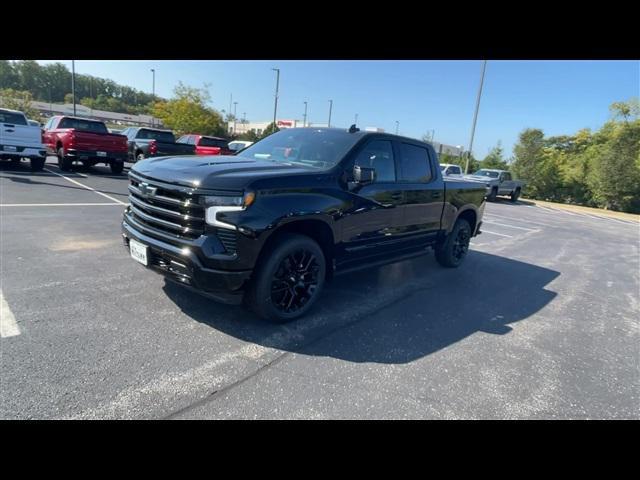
(541, 321)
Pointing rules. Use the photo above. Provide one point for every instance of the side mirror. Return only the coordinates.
(364, 175)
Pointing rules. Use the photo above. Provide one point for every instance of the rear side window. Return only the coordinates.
(213, 142)
(12, 118)
(83, 125)
(379, 155)
(414, 164)
(454, 170)
(507, 176)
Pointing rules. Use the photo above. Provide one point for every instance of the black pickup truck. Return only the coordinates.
(273, 223)
(147, 142)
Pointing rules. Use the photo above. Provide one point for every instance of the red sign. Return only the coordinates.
(285, 123)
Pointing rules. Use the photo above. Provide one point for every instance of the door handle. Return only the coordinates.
(436, 194)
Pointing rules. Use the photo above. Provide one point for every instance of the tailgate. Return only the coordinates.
(99, 142)
(21, 135)
(175, 148)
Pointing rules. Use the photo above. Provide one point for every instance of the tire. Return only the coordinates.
(37, 164)
(515, 195)
(116, 167)
(139, 156)
(453, 250)
(64, 162)
(279, 292)
(493, 195)
(16, 161)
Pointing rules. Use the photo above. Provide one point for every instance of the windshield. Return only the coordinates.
(83, 125)
(159, 135)
(308, 147)
(486, 173)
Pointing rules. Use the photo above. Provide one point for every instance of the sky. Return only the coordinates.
(559, 97)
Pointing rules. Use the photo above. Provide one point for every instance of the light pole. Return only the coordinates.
(356, 122)
(304, 122)
(153, 93)
(235, 108)
(330, 108)
(397, 126)
(275, 103)
(73, 85)
(475, 116)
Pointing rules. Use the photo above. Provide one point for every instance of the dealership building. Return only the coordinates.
(50, 109)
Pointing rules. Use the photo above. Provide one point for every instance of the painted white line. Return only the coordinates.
(521, 221)
(56, 204)
(87, 187)
(494, 233)
(8, 325)
(511, 226)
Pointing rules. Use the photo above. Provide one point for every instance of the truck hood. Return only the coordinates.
(219, 172)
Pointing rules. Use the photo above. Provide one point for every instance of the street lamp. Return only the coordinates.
(475, 116)
(153, 93)
(330, 108)
(73, 85)
(275, 105)
(235, 108)
(397, 126)
(304, 122)
(356, 122)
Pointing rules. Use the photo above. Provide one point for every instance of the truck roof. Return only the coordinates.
(10, 110)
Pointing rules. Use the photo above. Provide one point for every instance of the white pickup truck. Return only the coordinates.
(19, 139)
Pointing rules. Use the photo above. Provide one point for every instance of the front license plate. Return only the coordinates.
(138, 251)
(10, 148)
(101, 154)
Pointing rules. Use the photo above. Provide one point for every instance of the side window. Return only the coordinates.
(182, 139)
(192, 140)
(378, 154)
(414, 164)
(455, 170)
(507, 177)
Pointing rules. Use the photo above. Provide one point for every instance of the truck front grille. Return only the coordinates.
(172, 211)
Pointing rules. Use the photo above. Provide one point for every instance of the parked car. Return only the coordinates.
(272, 224)
(238, 145)
(89, 141)
(114, 130)
(497, 182)
(34, 123)
(19, 139)
(451, 170)
(147, 142)
(206, 145)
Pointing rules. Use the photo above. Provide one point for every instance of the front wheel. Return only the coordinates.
(288, 280)
(139, 157)
(453, 250)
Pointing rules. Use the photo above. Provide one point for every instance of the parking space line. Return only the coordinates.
(8, 325)
(521, 221)
(511, 226)
(56, 204)
(87, 187)
(494, 233)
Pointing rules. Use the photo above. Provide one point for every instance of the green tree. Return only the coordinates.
(527, 158)
(495, 159)
(626, 110)
(271, 128)
(18, 100)
(187, 112)
(249, 135)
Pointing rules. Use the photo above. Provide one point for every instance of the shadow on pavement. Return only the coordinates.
(433, 308)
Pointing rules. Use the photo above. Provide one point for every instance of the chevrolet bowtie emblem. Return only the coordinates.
(147, 190)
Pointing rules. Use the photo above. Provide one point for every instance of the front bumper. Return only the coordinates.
(183, 266)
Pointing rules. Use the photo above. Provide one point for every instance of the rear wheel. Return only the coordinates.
(493, 195)
(139, 156)
(64, 162)
(288, 280)
(515, 195)
(116, 167)
(37, 164)
(453, 250)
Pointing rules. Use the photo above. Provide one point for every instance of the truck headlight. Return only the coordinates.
(215, 204)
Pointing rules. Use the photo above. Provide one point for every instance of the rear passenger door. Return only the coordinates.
(423, 191)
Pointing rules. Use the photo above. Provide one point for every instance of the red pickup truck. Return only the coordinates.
(89, 141)
(207, 145)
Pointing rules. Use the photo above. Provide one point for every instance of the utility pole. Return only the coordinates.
(73, 85)
(153, 93)
(304, 122)
(356, 122)
(275, 105)
(330, 108)
(235, 108)
(397, 126)
(475, 116)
